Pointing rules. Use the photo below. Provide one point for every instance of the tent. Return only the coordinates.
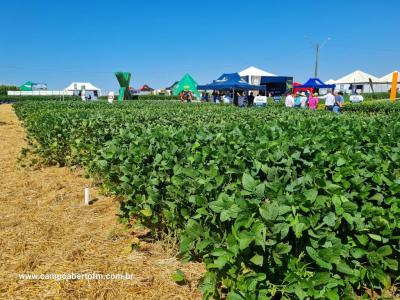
(171, 88)
(26, 87)
(315, 83)
(90, 89)
(146, 88)
(187, 83)
(386, 82)
(296, 88)
(330, 81)
(357, 77)
(78, 86)
(29, 86)
(359, 81)
(231, 81)
(388, 78)
(254, 75)
(253, 71)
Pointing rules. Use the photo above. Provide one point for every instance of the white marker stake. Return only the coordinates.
(87, 198)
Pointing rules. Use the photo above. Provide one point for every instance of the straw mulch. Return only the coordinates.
(45, 228)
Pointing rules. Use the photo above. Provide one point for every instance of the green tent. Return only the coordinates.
(187, 83)
(26, 87)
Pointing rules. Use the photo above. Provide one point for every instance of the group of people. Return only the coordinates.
(333, 101)
(186, 96)
(239, 98)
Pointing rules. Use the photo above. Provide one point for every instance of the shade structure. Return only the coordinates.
(296, 88)
(388, 78)
(357, 77)
(27, 86)
(359, 80)
(146, 88)
(171, 88)
(316, 83)
(187, 83)
(253, 71)
(330, 81)
(230, 81)
(78, 86)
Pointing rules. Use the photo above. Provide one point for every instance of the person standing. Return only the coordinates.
(219, 97)
(236, 99)
(303, 102)
(204, 97)
(313, 102)
(339, 100)
(215, 96)
(241, 99)
(297, 100)
(329, 100)
(289, 101)
(226, 99)
(189, 96)
(250, 99)
(110, 97)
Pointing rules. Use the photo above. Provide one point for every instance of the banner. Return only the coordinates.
(393, 91)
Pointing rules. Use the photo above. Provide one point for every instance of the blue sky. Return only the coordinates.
(57, 42)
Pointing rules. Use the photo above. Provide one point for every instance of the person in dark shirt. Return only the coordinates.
(215, 96)
(339, 100)
(236, 99)
(204, 97)
(250, 99)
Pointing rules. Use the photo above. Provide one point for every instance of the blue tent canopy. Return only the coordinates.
(316, 83)
(228, 82)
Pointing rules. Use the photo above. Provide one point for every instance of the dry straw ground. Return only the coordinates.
(45, 228)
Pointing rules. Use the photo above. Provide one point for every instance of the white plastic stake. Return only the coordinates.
(87, 197)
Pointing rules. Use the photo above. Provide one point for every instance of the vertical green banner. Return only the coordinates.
(123, 78)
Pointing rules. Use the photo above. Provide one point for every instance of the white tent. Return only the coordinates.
(388, 78)
(78, 86)
(254, 74)
(91, 91)
(330, 81)
(360, 81)
(386, 82)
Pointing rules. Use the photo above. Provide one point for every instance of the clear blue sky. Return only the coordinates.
(58, 42)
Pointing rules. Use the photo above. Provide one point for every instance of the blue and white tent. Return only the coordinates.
(316, 83)
(230, 81)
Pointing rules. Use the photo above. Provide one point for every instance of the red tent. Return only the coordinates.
(146, 88)
(295, 90)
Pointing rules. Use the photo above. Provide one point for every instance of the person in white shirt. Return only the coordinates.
(289, 101)
(303, 100)
(226, 99)
(110, 97)
(329, 100)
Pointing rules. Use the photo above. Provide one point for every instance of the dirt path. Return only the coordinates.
(45, 228)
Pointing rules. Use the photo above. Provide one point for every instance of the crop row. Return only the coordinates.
(276, 202)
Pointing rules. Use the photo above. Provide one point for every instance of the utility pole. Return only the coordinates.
(318, 47)
(316, 61)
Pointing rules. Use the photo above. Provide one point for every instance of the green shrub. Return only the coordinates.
(147, 97)
(5, 88)
(12, 99)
